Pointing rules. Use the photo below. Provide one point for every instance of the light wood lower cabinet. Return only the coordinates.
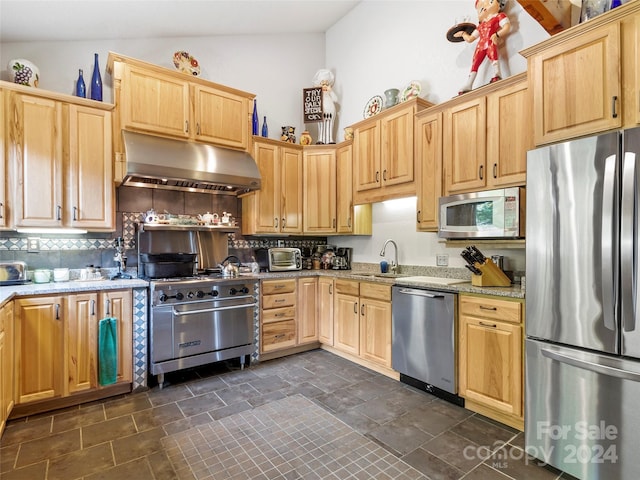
(325, 310)
(6, 363)
(307, 310)
(56, 339)
(362, 320)
(491, 357)
(278, 315)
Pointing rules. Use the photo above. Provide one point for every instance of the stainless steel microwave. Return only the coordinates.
(282, 259)
(488, 214)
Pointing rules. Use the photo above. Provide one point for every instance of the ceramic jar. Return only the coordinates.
(391, 97)
(42, 276)
(23, 72)
(305, 138)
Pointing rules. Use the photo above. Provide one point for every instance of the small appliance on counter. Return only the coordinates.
(13, 273)
(342, 259)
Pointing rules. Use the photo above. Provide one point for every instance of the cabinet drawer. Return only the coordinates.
(278, 300)
(491, 308)
(277, 314)
(348, 287)
(375, 290)
(278, 335)
(278, 286)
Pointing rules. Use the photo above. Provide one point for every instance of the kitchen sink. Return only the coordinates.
(378, 275)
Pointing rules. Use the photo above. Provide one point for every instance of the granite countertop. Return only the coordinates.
(8, 292)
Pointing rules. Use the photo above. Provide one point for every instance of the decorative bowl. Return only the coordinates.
(23, 72)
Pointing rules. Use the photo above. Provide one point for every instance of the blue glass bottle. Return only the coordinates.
(81, 89)
(96, 81)
(265, 129)
(254, 124)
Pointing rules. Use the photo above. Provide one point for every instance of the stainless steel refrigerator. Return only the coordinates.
(582, 410)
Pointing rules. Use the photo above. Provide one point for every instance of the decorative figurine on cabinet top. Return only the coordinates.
(492, 27)
(324, 78)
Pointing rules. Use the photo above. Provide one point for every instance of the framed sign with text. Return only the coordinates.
(312, 104)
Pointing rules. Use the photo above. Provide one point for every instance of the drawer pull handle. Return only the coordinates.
(482, 307)
(280, 335)
(279, 314)
(614, 101)
(279, 286)
(280, 300)
(491, 325)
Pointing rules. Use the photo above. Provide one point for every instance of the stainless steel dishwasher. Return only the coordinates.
(424, 340)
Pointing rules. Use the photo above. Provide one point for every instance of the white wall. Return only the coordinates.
(274, 67)
(382, 44)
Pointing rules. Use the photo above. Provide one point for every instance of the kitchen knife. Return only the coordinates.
(473, 270)
(478, 254)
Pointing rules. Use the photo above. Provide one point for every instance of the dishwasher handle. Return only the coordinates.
(420, 293)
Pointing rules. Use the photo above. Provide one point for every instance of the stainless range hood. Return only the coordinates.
(157, 162)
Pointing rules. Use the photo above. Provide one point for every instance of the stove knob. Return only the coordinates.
(200, 294)
(233, 291)
(214, 293)
(190, 295)
(244, 290)
(163, 297)
(179, 296)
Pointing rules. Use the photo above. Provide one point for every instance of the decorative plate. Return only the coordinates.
(461, 27)
(185, 63)
(374, 106)
(411, 91)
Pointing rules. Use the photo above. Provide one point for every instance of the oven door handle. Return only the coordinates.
(216, 309)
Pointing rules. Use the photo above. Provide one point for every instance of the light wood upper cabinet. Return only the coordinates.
(221, 117)
(383, 154)
(39, 348)
(61, 164)
(465, 138)
(428, 143)
(4, 211)
(344, 189)
(490, 357)
(584, 80)
(277, 206)
(319, 190)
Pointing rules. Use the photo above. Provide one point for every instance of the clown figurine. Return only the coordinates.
(493, 26)
(324, 78)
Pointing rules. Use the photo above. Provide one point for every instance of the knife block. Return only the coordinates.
(492, 276)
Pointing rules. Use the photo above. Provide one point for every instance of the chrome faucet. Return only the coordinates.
(394, 263)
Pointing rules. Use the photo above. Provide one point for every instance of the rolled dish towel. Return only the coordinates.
(107, 351)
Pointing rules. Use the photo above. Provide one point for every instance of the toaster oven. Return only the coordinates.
(283, 259)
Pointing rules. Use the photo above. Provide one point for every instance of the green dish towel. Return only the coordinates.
(107, 351)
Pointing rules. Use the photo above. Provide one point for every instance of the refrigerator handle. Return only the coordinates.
(628, 239)
(608, 244)
(592, 366)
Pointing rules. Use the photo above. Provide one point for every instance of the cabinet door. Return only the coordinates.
(344, 189)
(429, 169)
(347, 323)
(509, 135)
(325, 310)
(464, 150)
(91, 192)
(119, 304)
(375, 331)
(307, 311)
(221, 117)
(35, 148)
(39, 352)
(491, 363)
(397, 148)
(366, 157)
(291, 194)
(576, 86)
(82, 342)
(319, 191)
(3, 167)
(6, 363)
(152, 102)
(267, 202)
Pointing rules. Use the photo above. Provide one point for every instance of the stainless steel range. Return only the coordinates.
(194, 318)
(199, 320)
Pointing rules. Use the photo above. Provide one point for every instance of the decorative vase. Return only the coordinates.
(23, 72)
(305, 138)
(265, 129)
(96, 80)
(254, 120)
(81, 88)
(391, 97)
(348, 133)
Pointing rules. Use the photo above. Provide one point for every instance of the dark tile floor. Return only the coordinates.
(122, 438)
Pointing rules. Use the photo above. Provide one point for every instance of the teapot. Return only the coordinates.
(151, 216)
(208, 218)
(230, 269)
